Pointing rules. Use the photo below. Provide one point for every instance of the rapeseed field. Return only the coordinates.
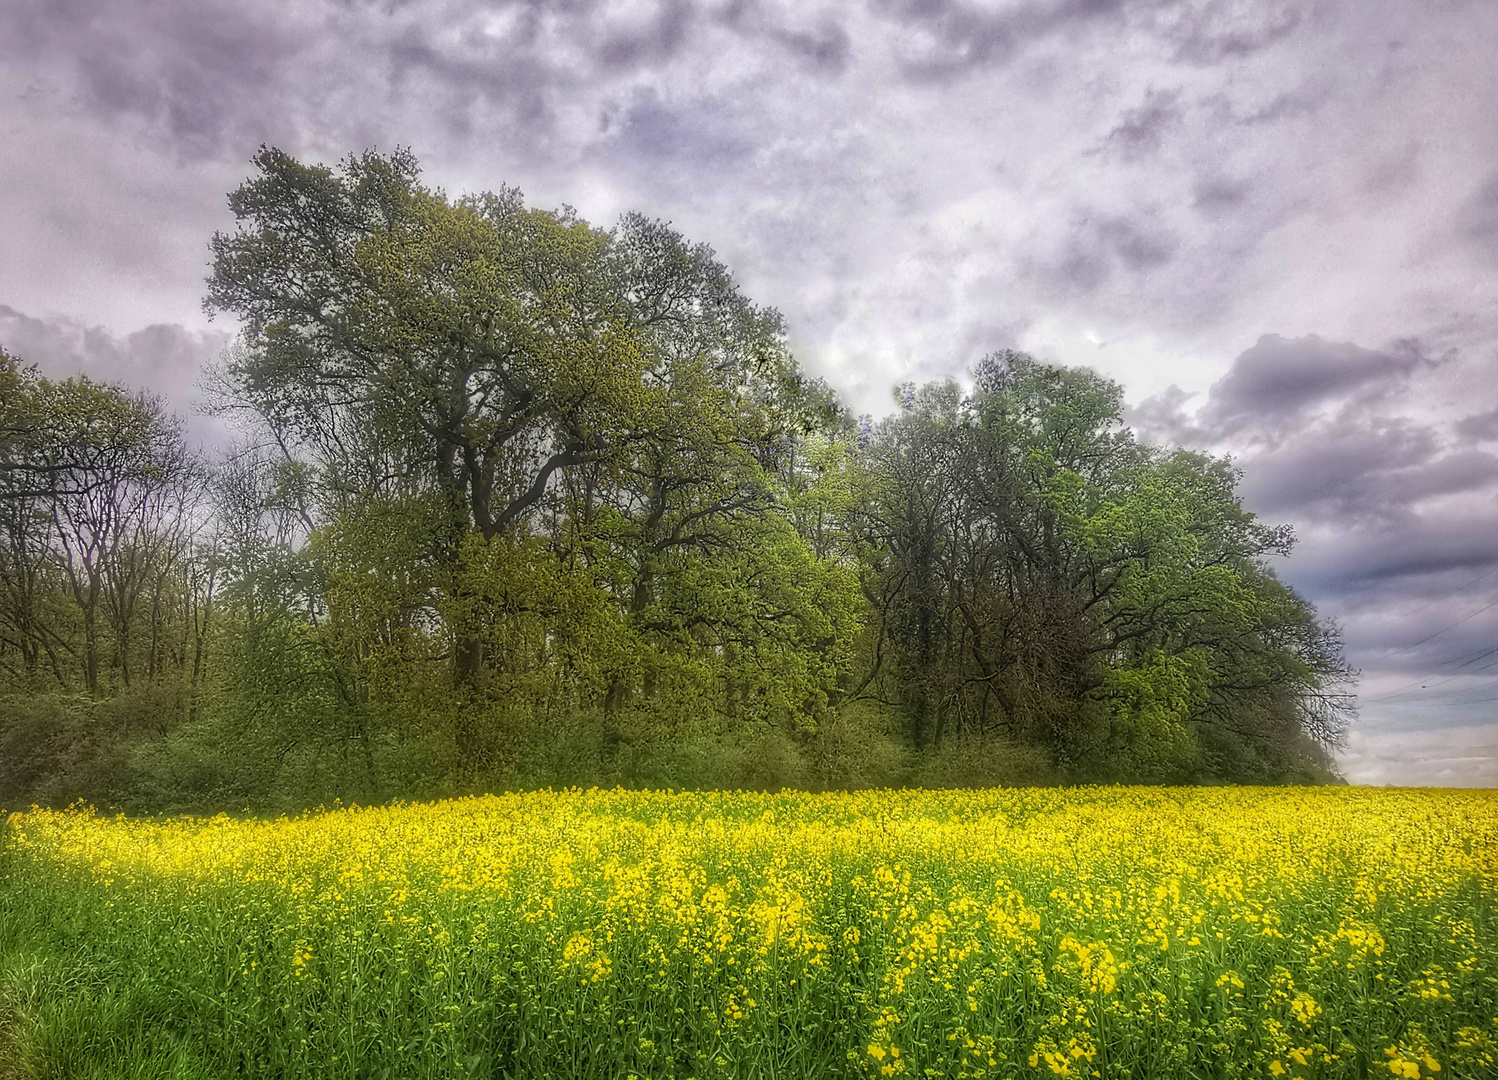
(1096, 932)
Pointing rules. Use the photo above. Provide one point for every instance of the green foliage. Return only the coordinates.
(57, 748)
(856, 748)
(1149, 711)
(286, 725)
(1038, 575)
(973, 760)
(530, 502)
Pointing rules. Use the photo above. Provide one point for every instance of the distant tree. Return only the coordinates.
(95, 496)
(1035, 571)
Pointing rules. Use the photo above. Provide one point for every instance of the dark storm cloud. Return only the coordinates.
(1315, 428)
(1402, 563)
(1279, 380)
(1363, 473)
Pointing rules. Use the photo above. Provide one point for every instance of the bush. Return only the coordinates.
(58, 748)
(984, 761)
(854, 749)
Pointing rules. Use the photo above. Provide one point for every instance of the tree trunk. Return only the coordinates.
(468, 662)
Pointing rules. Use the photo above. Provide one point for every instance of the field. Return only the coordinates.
(1103, 932)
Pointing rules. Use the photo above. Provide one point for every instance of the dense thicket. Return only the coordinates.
(522, 501)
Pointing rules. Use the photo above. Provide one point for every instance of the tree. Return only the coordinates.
(1035, 571)
(555, 454)
(95, 495)
(467, 352)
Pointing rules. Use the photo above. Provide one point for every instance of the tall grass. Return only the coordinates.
(1102, 932)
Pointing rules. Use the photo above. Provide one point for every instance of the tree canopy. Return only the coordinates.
(524, 500)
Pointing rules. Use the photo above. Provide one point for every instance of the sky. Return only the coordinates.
(1275, 224)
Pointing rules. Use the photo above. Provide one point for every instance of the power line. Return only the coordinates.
(1466, 659)
(1470, 658)
(1459, 589)
(1444, 629)
(1450, 704)
(1476, 701)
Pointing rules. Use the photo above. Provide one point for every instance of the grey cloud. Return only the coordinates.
(1216, 195)
(218, 78)
(660, 39)
(702, 139)
(1478, 219)
(1362, 471)
(942, 39)
(163, 359)
(1138, 247)
(1218, 30)
(1163, 419)
(950, 38)
(1099, 247)
(1283, 106)
(1141, 129)
(1312, 426)
(215, 79)
(826, 46)
(1442, 753)
(1332, 470)
(823, 43)
(1397, 563)
(1279, 379)
(473, 87)
(1481, 426)
(208, 76)
(1311, 422)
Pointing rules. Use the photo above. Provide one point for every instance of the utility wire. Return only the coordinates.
(1475, 701)
(1440, 599)
(1466, 659)
(1471, 658)
(1444, 629)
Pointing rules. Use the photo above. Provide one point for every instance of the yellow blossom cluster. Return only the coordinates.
(1095, 932)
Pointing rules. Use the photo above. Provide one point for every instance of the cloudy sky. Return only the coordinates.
(1275, 223)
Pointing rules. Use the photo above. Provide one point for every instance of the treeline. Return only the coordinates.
(520, 502)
